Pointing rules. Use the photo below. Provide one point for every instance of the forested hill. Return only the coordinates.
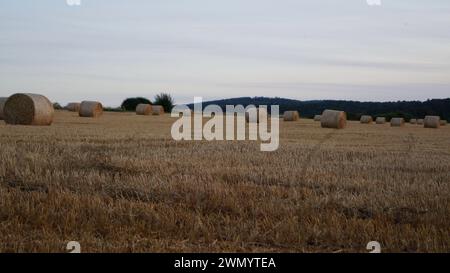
(354, 109)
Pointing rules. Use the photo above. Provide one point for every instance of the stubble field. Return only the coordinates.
(121, 184)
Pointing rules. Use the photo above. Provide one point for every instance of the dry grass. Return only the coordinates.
(120, 183)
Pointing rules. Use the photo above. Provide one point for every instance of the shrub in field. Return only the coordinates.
(130, 104)
(165, 100)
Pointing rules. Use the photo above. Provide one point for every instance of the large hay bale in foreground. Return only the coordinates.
(366, 119)
(252, 114)
(317, 117)
(420, 121)
(73, 107)
(380, 120)
(443, 122)
(291, 116)
(432, 122)
(28, 109)
(157, 110)
(2, 105)
(90, 109)
(144, 109)
(333, 119)
(413, 121)
(397, 122)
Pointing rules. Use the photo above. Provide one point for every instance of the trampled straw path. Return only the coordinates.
(411, 141)
(314, 150)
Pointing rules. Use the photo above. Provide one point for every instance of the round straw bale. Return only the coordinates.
(380, 120)
(420, 121)
(90, 109)
(333, 119)
(73, 106)
(413, 121)
(252, 114)
(2, 105)
(291, 115)
(366, 119)
(28, 109)
(144, 109)
(397, 122)
(157, 110)
(317, 117)
(443, 122)
(432, 122)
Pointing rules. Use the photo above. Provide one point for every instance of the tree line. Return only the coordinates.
(354, 109)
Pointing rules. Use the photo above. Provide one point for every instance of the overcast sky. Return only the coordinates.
(108, 50)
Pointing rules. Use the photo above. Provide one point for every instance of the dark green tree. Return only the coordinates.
(165, 100)
(130, 104)
(57, 106)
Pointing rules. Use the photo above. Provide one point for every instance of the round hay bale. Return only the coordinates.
(73, 107)
(443, 122)
(419, 121)
(432, 122)
(90, 109)
(2, 105)
(366, 119)
(252, 114)
(28, 109)
(157, 110)
(380, 120)
(333, 119)
(317, 117)
(144, 109)
(291, 116)
(397, 122)
(413, 121)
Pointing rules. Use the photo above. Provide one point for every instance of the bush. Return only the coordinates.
(165, 100)
(130, 103)
(57, 106)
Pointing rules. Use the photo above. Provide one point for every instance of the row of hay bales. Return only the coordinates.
(427, 122)
(337, 119)
(87, 109)
(36, 109)
(328, 119)
(148, 109)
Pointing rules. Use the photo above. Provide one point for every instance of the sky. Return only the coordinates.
(108, 50)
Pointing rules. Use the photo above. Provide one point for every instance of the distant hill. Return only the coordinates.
(354, 109)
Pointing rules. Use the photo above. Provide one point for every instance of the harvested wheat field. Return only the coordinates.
(121, 184)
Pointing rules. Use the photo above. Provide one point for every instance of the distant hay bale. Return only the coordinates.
(443, 122)
(2, 105)
(28, 109)
(413, 121)
(366, 119)
(380, 120)
(157, 110)
(90, 109)
(291, 116)
(432, 122)
(420, 122)
(333, 119)
(317, 117)
(397, 122)
(144, 109)
(73, 106)
(252, 114)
